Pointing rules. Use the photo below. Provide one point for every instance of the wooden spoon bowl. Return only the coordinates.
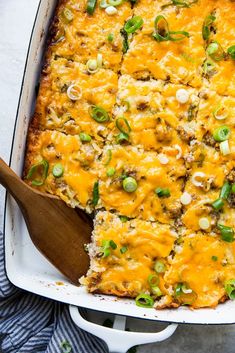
(58, 231)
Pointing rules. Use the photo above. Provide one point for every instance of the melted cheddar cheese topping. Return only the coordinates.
(150, 103)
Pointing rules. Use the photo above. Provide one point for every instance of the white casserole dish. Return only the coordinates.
(29, 270)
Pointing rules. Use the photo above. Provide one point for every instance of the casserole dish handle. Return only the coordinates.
(117, 339)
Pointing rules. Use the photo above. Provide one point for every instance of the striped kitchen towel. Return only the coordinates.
(33, 324)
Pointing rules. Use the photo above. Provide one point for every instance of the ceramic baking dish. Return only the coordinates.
(29, 270)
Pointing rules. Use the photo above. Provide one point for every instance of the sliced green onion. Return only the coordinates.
(39, 168)
(104, 4)
(133, 24)
(68, 15)
(222, 133)
(231, 51)
(84, 137)
(161, 26)
(124, 219)
(110, 37)
(74, 92)
(227, 233)
(176, 36)
(66, 347)
(225, 190)
(122, 137)
(218, 204)
(110, 172)
(109, 157)
(115, 2)
(179, 3)
(214, 258)
(233, 189)
(92, 66)
(156, 291)
(129, 184)
(96, 194)
(125, 43)
(153, 280)
(220, 113)
(208, 67)
(159, 267)
(224, 148)
(162, 192)
(229, 287)
(144, 300)
(123, 125)
(98, 114)
(215, 51)
(207, 26)
(106, 246)
(123, 249)
(58, 170)
(162, 32)
(184, 294)
(90, 7)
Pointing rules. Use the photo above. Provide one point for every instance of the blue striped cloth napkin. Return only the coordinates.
(33, 324)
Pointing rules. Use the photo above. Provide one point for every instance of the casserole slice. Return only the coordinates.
(123, 268)
(62, 165)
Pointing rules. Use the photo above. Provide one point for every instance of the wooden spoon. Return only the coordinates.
(58, 231)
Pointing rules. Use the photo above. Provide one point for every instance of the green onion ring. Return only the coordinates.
(231, 51)
(206, 28)
(222, 133)
(161, 34)
(229, 287)
(98, 114)
(144, 301)
(90, 7)
(133, 24)
(123, 125)
(215, 51)
(34, 169)
(153, 280)
(218, 204)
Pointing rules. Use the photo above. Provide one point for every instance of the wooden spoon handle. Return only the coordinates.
(14, 185)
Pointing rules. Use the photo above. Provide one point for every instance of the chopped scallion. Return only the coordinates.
(229, 287)
(225, 190)
(222, 133)
(161, 192)
(40, 169)
(123, 249)
(129, 184)
(58, 170)
(218, 204)
(159, 267)
(227, 233)
(144, 300)
(110, 172)
(84, 137)
(98, 114)
(215, 51)
(90, 7)
(133, 24)
(96, 194)
(231, 51)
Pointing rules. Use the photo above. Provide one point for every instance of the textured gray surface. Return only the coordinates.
(16, 21)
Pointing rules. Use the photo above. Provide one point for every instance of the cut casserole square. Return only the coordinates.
(66, 95)
(124, 268)
(63, 166)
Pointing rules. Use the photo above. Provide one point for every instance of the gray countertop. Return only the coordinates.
(16, 22)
